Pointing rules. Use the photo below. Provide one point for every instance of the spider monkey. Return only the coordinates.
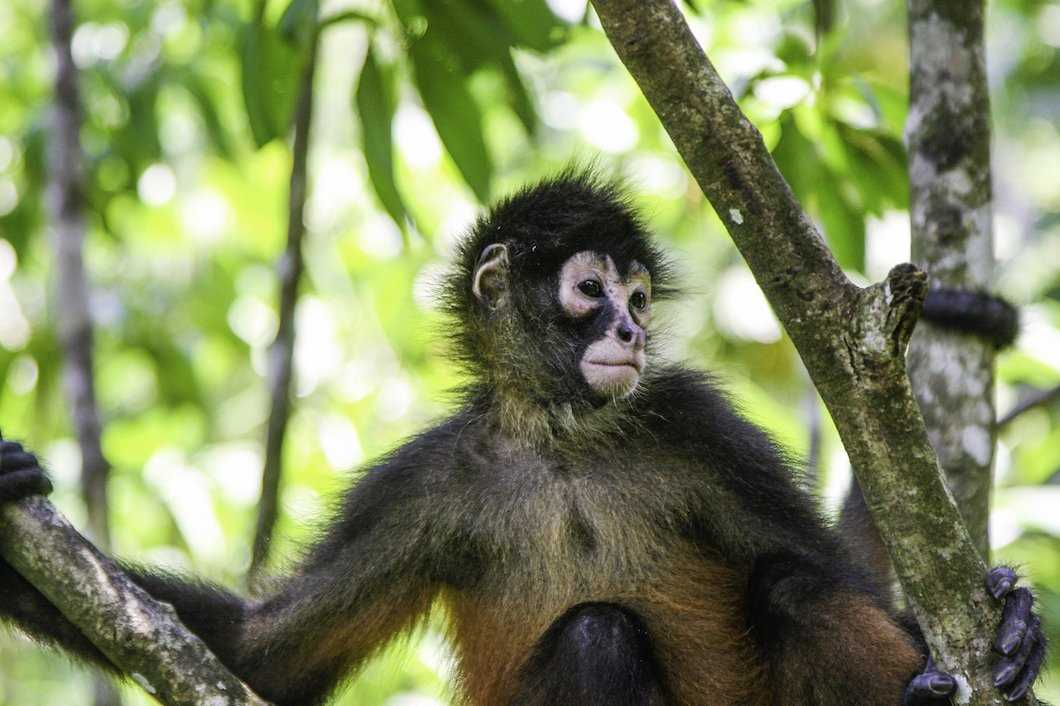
(599, 527)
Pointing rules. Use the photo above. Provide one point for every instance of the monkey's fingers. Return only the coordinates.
(20, 474)
(1015, 619)
(930, 688)
(23, 483)
(13, 457)
(1000, 580)
(1030, 672)
(1007, 669)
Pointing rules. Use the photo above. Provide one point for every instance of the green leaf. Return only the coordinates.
(215, 129)
(844, 226)
(258, 115)
(269, 74)
(519, 96)
(474, 34)
(477, 35)
(410, 13)
(375, 105)
(822, 191)
(455, 114)
(298, 21)
(138, 139)
(532, 23)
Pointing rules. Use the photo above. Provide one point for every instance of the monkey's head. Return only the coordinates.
(553, 293)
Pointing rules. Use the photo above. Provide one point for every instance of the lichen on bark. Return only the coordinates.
(138, 634)
(948, 132)
(851, 340)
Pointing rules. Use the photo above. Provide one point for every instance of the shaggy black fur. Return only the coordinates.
(978, 313)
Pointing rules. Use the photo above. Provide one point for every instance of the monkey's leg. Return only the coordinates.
(829, 642)
(597, 654)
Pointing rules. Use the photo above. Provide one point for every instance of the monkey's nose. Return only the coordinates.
(629, 333)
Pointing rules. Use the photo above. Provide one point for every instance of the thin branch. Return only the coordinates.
(67, 207)
(281, 352)
(66, 204)
(1038, 398)
(141, 636)
(851, 340)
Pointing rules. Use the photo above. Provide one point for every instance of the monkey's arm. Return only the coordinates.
(370, 575)
(818, 616)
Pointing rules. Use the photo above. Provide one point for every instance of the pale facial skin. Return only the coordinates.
(589, 282)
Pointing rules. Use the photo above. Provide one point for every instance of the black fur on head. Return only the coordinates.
(528, 344)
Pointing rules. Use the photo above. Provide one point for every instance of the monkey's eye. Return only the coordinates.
(591, 288)
(639, 300)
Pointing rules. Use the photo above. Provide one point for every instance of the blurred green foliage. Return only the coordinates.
(425, 108)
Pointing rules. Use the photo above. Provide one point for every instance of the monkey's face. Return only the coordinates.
(610, 311)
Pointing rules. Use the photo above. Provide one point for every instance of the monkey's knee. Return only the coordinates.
(596, 653)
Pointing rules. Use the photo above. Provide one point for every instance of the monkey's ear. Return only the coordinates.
(489, 284)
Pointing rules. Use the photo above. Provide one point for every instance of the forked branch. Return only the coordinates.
(851, 340)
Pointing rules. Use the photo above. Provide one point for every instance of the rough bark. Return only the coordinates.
(281, 352)
(851, 340)
(948, 132)
(139, 635)
(66, 205)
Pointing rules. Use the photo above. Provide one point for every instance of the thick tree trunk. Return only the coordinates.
(948, 132)
(851, 340)
(66, 204)
(281, 352)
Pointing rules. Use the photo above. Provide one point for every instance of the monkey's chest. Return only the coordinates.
(691, 606)
(580, 532)
(558, 540)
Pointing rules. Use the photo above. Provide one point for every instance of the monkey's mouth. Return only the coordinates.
(613, 378)
(615, 364)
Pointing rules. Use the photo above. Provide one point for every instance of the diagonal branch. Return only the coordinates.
(851, 340)
(141, 636)
(1038, 398)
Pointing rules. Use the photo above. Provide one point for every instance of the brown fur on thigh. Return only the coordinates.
(694, 612)
(850, 652)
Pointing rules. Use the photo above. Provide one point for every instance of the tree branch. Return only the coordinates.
(67, 208)
(281, 352)
(141, 636)
(66, 205)
(948, 130)
(851, 340)
(1038, 398)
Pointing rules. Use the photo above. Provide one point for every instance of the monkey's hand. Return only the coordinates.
(930, 688)
(1019, 641)
(20, 473)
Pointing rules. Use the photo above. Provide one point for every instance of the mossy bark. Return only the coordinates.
(852, 340)
(139, 635)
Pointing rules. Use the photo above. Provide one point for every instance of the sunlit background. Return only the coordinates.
(187, 212)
